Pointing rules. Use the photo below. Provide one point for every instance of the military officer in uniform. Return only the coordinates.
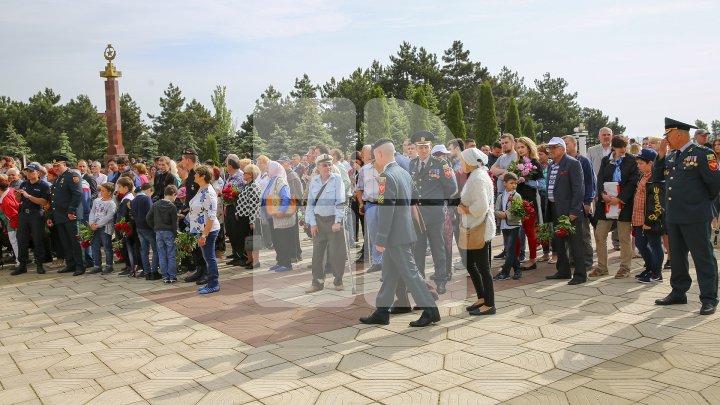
(435, 183)
(67, 210)
(692, 180)
(394, 239)
(32, 194)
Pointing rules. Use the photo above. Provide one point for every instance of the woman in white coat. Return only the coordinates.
(477, 207)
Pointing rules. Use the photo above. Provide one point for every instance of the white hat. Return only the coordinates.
(439, 149)
(557, 141)
(473, 157)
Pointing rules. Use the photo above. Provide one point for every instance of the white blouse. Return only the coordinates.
(203, 208)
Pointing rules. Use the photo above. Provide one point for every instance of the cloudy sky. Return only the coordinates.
(640, 60)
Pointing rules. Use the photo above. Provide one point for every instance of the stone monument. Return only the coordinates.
(112, 107)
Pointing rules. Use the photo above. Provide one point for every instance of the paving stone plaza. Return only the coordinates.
(261, 340)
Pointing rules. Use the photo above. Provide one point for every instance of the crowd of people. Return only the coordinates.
(658, 196)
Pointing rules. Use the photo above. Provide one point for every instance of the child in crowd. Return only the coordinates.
(140, 206)
(648, 217)
(164, 221)
(131, 244)
(101, 222)
(510, 227)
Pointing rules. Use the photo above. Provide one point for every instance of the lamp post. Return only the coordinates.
(581, 136)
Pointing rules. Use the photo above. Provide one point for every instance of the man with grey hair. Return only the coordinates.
(701, 137)
(100, 177)
(395, 236)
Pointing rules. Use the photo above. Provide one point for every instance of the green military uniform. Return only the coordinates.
(67, 200)
(692, 180)
(435, 182)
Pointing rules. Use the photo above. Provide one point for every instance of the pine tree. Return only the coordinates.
(146, 145)
(528, 128)
(211, 150)
(64, 147)
(169, 125)
(14, 144)
(85, 129)
(224, 129)
(377, 116)
(455, 118)
(132, 124)
(419, 111)
(399, 123)
(512, 119)
(486, 126)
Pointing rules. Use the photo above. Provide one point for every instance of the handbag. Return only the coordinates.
(472, 238)
(253, 242)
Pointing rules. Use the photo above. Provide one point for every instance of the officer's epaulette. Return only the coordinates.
(703, 148)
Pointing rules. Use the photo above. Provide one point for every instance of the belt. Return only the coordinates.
(29, 210)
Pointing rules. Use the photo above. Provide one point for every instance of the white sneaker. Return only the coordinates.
(458, 265)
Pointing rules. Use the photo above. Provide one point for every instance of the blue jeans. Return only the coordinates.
(147, 239)
(87, 252)
(651, 249)
(102, 240)
(165, 241)
(208, 252)
(512, 261)
(371, 223)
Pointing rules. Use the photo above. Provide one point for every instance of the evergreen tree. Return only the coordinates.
(310, 129)
(249, 141)
(454, 118)
(168, 126)
(377, 116)
(146, 146)
(528, 128)
(554, 108)
(715, 129)
(65, 148)
(700, 124)
(419, 111)
(211, 150)
(486, 126)
(13, 144)
(512, 119)
(85, 129)
(462, 75)
(436, 124)
(616, 127)
(304, 88)
(132, 124)
(224, 129)
(39, 120)
(399, 122)
(199, 122)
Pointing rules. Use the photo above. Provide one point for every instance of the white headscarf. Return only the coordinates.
(474, 157)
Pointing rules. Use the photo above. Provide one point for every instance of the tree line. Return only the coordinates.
(459, 97)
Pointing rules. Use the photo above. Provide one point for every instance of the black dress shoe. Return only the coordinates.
(440, 287)
(236, 262)
(672, 300)
(19, 270)
(252, 266)
(473, 307)
(201, 281)
(380, 317)
(707, 309)
(194, 277)
(576, 281)
(154, 276)
(79, 272)
(478, 312)
(374, 268)
(558, 276)
(428, 317)
(40, 269)
(66, 270)
(399, 310)
(531, 267)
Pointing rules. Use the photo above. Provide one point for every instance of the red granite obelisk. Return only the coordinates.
(112, 107)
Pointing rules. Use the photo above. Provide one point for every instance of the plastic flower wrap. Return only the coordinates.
(85, 236)
(517, 209)
(522, 168)
(230, 194)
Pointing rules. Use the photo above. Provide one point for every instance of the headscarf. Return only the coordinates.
(275, 169)
(474, 157)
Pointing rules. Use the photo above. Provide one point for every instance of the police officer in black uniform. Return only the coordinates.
(692, 181)
(66, 212)
(435, 183)
(32, 194)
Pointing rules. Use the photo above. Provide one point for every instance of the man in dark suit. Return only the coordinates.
(566, 190)
(395, 236)
(66, 212)
(692, 180)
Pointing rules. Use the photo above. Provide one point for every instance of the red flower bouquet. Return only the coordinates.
(564, 227)
(230, 194)
(124, 228)
(85, 236)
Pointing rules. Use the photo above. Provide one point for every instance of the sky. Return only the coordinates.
(636, 60)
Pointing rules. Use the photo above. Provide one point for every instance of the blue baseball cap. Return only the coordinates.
(33, 167)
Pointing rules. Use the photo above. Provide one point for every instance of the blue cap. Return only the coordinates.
(32, 166)
(283, 159)
(647, 155)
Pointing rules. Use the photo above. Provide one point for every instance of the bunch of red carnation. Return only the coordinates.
(529, 209)
(230, 194)
(564, 227)
(85, 236)
(117, 249)
(124, 228)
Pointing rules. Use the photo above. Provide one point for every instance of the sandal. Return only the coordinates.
(598, 273)
(622, 273)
